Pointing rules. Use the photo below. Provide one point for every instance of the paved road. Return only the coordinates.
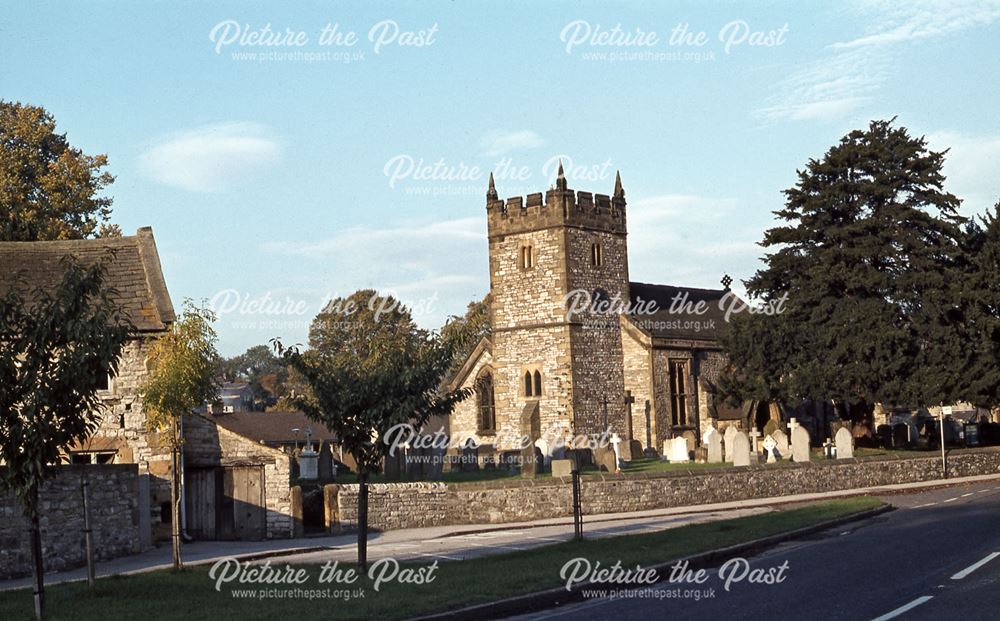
(936, 557)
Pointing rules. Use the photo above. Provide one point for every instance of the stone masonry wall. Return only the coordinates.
(114, 517)
(412, 505)
(637, 367)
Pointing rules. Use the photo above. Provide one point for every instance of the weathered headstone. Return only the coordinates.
(470, 459)
(562, 467)
(605, 459)
(713, 440)
(691, 439)
(677, 450)
(800, 444)
(741, 449)
(769, 445)
(900, 435)
(632, 450)
(884, 435)
(781, 441)
(730, 435)
(845, 443)
(754, 435)
(616, 443)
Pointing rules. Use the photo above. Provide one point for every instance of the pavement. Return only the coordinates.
(936, 557)
(469, 541)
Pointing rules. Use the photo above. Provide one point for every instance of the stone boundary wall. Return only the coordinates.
(414, 505)
(113, 495)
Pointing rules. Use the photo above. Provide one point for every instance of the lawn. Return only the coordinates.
(191, 594)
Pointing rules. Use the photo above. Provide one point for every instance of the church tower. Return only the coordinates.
(547, 258)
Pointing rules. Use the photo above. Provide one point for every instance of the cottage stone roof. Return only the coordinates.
(272, 427)
(675, 317)
(134, 272)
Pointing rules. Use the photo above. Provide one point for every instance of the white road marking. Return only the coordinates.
(971, 568)
(951, 500)
(983, 491)
(929, 504)
(969, 494)
(895, 613)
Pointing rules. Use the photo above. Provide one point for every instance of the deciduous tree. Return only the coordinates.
(370, 368)
(182, 377)
(57, 347)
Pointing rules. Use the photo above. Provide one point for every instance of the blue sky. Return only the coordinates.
(278, 181)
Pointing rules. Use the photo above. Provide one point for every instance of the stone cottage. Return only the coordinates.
(250, 476)
(578, 348)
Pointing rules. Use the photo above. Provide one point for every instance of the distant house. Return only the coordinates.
(235, 397)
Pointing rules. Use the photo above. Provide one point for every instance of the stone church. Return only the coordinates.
(578, 348)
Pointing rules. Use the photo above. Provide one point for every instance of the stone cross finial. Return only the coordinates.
(793, 423)
(726, 281)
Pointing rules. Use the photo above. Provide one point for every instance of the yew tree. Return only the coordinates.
(870, 255)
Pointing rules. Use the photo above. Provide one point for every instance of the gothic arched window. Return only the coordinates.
(527, 384)
(596, 255)
(538, 384)
(485, 402)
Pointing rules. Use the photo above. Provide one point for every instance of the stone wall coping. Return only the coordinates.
(514, 483)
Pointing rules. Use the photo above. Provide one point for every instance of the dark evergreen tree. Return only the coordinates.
(869, 260)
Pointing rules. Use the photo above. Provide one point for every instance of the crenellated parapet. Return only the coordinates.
(559, 206)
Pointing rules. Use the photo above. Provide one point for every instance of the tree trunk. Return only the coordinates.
(36, 555)
(363, 521)
(175, 503)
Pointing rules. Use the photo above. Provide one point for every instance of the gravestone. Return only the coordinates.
(900, 436)
(769, 448)
(677, 450)
(845, 443)
(605, 459)
(616, 444)
(470, 459)
(754, 436)
(531, 430)
(884, 435)
(730, 435)
(713, 440)
(562, 467)
(800, 444)
(393, 466)
(741, 449)
(781, 443)
(632, 450)
(691, 438)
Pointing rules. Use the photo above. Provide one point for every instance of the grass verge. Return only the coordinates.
(191, 595)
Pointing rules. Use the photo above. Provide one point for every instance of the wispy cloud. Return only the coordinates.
(443, 261)
(502, 142)
(914, 20)
(851, 72)
(210, 158)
